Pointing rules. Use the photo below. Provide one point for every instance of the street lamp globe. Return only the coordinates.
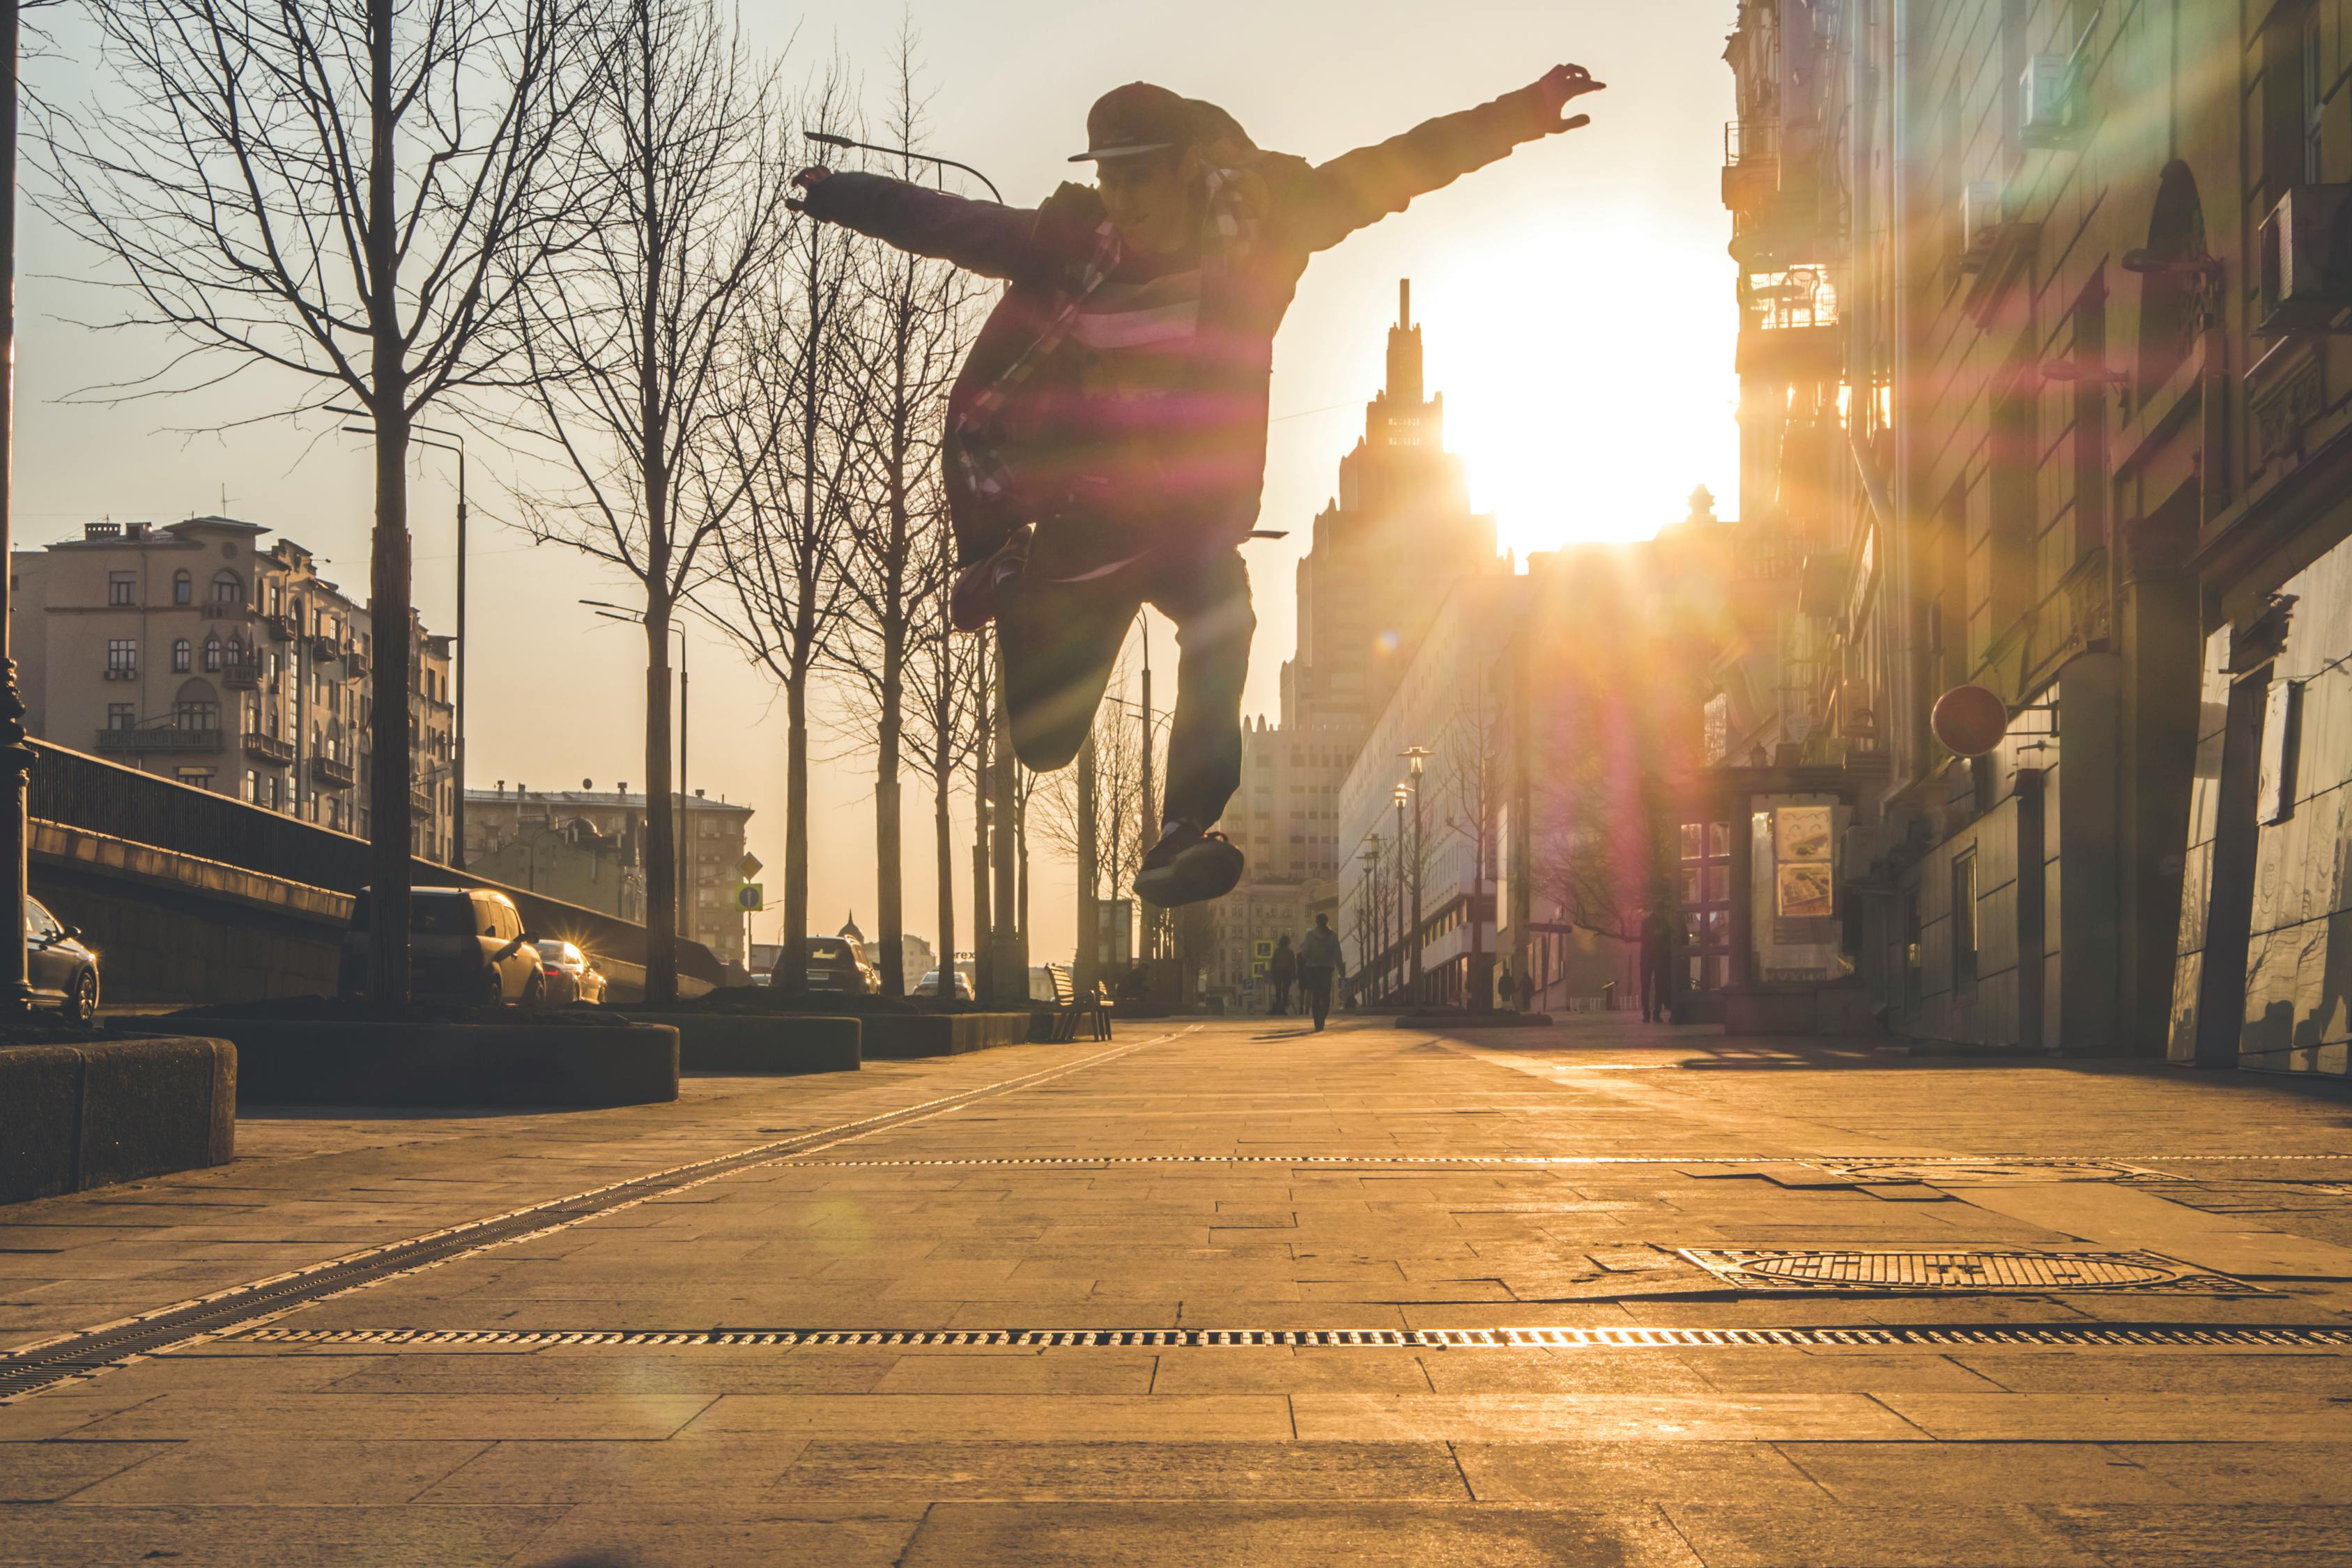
(1403, 793)
(1416, 758)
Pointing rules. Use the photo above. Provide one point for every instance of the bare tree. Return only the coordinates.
(1118, 799)
(941, 728)
(797, 441)
(636, 343)
(1471, 793)
(907, 329)
(356, 192)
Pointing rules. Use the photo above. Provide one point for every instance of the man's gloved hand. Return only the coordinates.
(808, 179)
(1561, 85)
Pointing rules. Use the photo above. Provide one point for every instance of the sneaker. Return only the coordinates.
(971, 602)
(1188, 866)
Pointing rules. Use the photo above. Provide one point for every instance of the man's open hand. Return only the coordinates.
(1561, 85)
(807, 180)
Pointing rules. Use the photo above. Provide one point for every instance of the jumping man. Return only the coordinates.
(1105, 440)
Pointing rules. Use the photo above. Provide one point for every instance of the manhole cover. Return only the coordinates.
(1951, 1173)
(1977, 1271)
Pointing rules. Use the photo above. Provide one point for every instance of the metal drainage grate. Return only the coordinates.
(83, 1354)
(1962, 1172)
(2156, 1336)
(1975, 1271)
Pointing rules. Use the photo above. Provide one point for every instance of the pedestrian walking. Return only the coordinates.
(1282, 969)
(1657, 958)
(1503, 991)
(1527, 992)
(1105, 445)
(1318, 968)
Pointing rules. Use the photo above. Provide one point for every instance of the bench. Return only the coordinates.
(1068, 1012)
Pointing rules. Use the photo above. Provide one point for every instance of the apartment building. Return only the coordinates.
(197, 651)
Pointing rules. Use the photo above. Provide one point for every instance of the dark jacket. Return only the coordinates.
(1301, 209)
(1320, 949)
(1284, 962)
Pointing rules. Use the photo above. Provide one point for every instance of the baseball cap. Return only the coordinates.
(1135, 119)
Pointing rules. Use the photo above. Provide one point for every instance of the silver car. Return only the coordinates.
(570, 975)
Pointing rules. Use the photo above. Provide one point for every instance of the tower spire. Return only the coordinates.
(1404, 351)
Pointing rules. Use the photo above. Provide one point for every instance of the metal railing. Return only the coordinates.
(332, 774)
(1750, 142)
(268, 748)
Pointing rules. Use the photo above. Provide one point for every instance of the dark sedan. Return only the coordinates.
(58, 966)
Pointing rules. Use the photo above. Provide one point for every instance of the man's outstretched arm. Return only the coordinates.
(1361, 187)
(979, 237)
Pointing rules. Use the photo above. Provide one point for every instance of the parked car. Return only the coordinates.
(465, 944)
(570, 975)
(960, 990)
(836, 965)
(59, 968)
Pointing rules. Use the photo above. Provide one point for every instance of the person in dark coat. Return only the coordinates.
(1104, 444)
(1282, 969)
(1657, 960)
(1318, 968)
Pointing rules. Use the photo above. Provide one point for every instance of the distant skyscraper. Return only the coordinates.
(1382, 556)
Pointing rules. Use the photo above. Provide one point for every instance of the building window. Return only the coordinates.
(228, 588)
(1964, 920)
(212, 653)
(123, 655)
(2315, 98)
(183, 587)
(197, 778)
(121, 587)
(194, 714)
(180, 656)
(253, 785)
(122, 715)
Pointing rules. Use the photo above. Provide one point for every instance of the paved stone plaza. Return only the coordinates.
(1242, 1175)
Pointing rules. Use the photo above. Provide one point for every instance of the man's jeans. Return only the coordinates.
(1316, 983)
(1060, 637)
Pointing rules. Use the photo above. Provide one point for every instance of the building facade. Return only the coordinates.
(586, 847)
(195, 651)
(2045, 387)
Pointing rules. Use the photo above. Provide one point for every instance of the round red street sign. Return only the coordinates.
(1969, 720)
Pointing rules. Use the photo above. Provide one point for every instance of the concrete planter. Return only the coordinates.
(941, 1034)
(87, 1115)
(283, 1062)
(760, 1043)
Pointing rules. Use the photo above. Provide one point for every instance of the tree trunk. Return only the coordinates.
(1011, 972)
(889, 890)
(661, 816)
(983, 936)
(943, 838)
(1087, 961)
(796, 782)
(388, 562)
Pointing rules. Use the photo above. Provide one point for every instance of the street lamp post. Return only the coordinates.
(1369, 945)
(1416, 759)
(678, 839)
(15, 754)
(1405, 870)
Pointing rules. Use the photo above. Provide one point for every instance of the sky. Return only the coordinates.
(1575, 300)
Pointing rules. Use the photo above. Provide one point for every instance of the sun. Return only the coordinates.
(1583, 409)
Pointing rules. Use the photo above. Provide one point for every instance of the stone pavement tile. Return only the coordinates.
(1483, 1371)
(1217, 1311)
(1624, 1475)
(2251, 1472)
(44, 1472)
(262, 1468)
(705, 1372)
(2204, 1536)
(1067, 1371)
(1969, 1473)
(47, 1536)
(652, 1536)
(1210, 1368)
(1748, 1370)
(723, 1475)
(62, 1411)
(1602, 1418)
(1806, 1530)
(1353, 1534)
(1109, 1311)
(1339, 1535)
(2169, 1372)
(2120, 1417)
(405, 1415)
(990, 1417)
(863, 1471)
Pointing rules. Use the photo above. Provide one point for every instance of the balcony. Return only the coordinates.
(156, 738)
(268, 748)
(240, 674)
(1751, 163)
(229, 610)
(281, 629)
(330, 774)
(322, 647)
